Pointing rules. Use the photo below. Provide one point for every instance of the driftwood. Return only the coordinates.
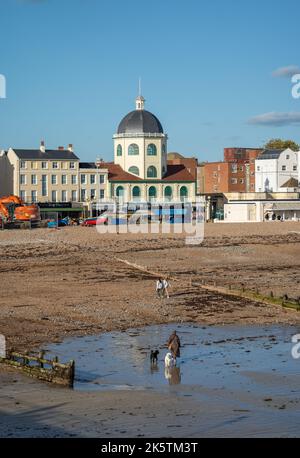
(41, 368)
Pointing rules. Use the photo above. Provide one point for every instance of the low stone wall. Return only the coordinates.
(40, 368)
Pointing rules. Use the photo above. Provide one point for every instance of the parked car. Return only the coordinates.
(95, 221)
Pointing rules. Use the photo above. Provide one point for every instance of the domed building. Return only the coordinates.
(140, 170)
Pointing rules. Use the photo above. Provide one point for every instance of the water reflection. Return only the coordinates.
(173, 375)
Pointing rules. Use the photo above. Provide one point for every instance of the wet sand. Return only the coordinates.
(235, 382)
(71, 281)
(66, 283)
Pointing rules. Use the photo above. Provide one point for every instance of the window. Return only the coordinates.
(234, 168)
(252, 186)
(72, 165)
(23, 165)
(152, 192)
(168, 193)
(133, 150)
(151, 172)
(294, 168)
(83, 179)
(183, 193)
(64, 196)
(258, 168)
(101, 193)
(34, 165)
(234, 181)
(136, 193)
(74, 179)
(34, 180)
(120, 191)
(287, 157)
(241, 180)
(93, 179)
(241, 168)
(283, 168)
(102, 179)
(44, 185)
(33, 196)
(74, 196)
(64, 179)
(44, 165)
(93, 193)
(23, 179)
(215, 174)
(163, 148)
(55, 165)
(23, 195)
(134, 170)
(119, 150)
(151, 150)
(53, 179)
(83, 195)
(53, 196)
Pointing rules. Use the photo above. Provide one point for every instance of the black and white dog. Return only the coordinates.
(153, 356)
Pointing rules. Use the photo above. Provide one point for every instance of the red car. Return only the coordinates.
(94, 221)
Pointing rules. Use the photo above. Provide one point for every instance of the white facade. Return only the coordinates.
(273, 170)
(150, 151)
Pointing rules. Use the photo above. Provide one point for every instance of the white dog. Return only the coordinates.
(169, 360)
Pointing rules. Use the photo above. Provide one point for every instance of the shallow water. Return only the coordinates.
(231, 357)
(242, 380)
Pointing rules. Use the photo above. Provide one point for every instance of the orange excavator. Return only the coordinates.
(13, 211)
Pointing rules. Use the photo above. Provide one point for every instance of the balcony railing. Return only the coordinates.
(141, 135)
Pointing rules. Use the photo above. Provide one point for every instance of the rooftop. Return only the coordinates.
(37, 154)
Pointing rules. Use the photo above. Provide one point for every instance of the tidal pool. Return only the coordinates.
(240, 359)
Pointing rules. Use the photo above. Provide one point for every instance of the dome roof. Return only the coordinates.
(140, 122)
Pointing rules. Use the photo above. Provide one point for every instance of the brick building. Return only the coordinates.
(235, 174)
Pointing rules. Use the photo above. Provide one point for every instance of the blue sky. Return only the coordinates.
(72, 69)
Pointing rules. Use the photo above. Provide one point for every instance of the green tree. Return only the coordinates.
(278, 143)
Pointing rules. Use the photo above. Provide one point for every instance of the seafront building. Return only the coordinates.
(275, 169)
(249, 185)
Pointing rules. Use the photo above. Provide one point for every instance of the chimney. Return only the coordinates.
(61, 148)
(70, 147)
(42, 147)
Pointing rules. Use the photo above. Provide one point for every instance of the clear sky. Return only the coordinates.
(207, 69)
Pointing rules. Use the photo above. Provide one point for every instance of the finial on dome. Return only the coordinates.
(140, 101)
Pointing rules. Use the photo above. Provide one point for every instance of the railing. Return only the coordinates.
(140, 135)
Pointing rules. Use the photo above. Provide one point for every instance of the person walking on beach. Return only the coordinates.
(166, 285)
(174, 345)
(159, 288)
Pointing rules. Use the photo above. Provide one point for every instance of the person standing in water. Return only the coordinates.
(174, 345)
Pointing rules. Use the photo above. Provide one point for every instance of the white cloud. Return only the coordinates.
(276, 119)
(286, 72)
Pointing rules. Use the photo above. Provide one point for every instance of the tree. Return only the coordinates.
(278, 143)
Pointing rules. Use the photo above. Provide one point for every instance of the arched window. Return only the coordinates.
(152, 192)
(168, 193)
(136, 193)
(133, 150)
(183, 192)
(120, 191)
(134, 170)
(151, 150)
(119, 150)
(151, 172)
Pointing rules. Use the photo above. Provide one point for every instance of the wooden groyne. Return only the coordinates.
(48, 370)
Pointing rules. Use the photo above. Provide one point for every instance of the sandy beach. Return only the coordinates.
(75, 282)
(72, 282)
